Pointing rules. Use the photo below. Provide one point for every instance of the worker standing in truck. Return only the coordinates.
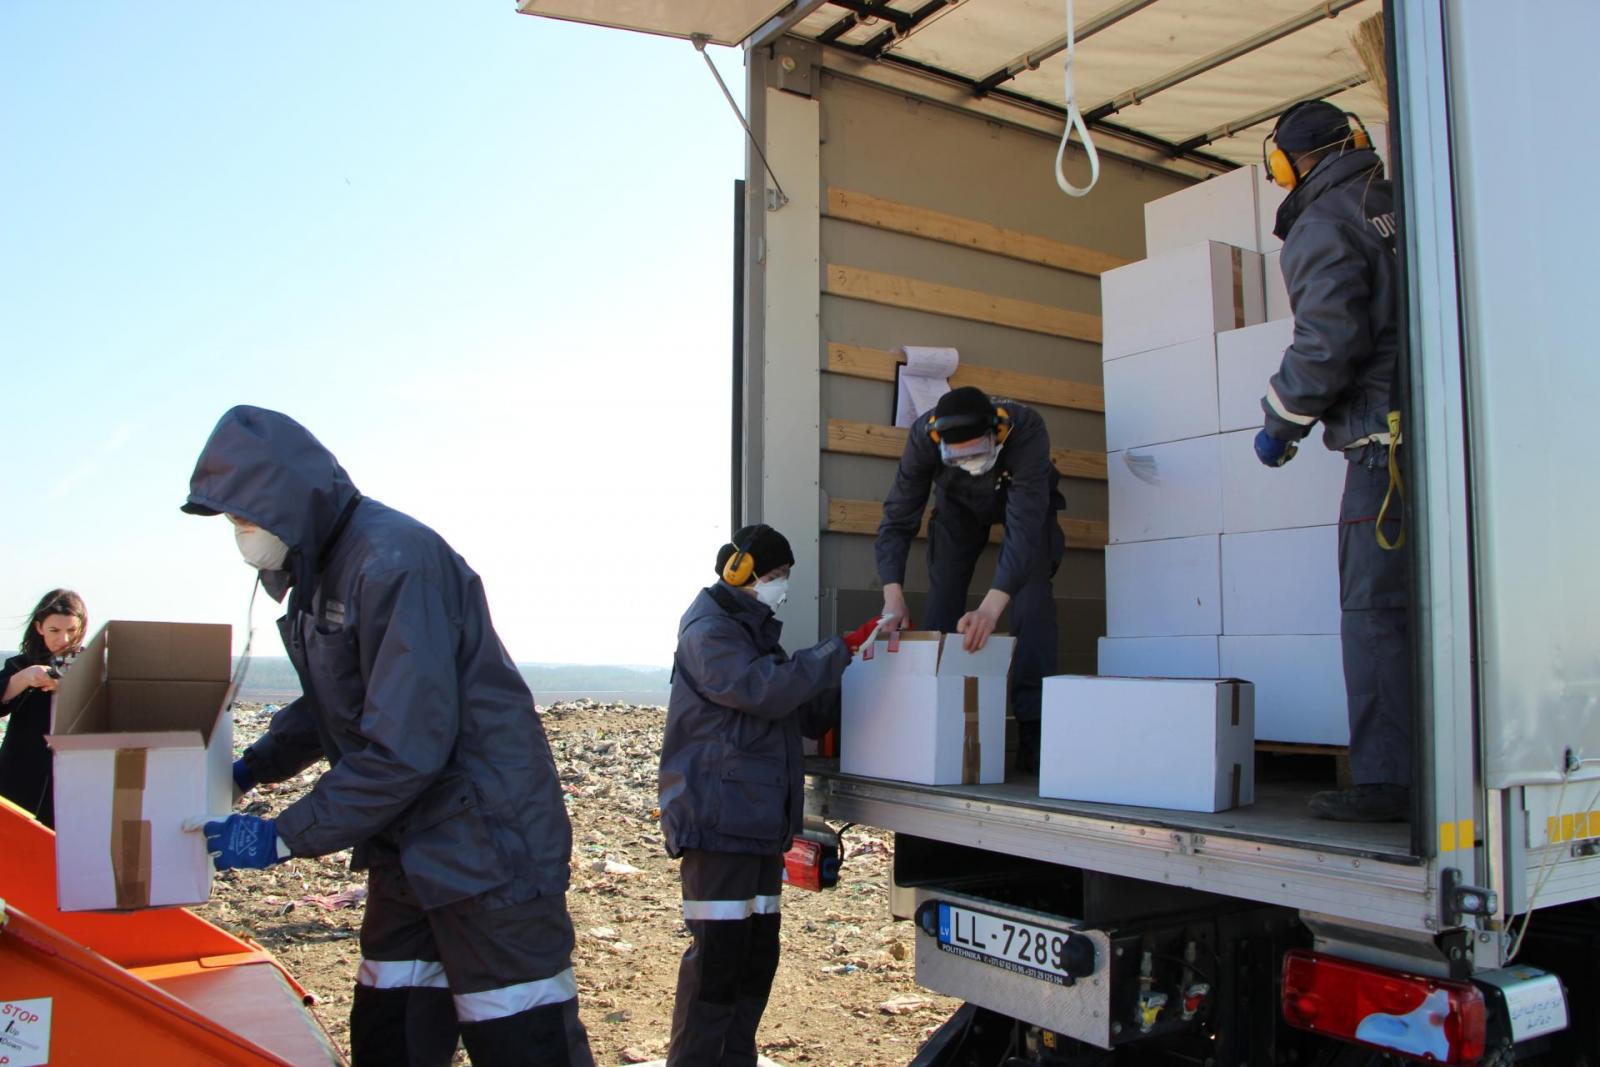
(732, 783)
(440, 777)
(986, 461)
(1338, 231)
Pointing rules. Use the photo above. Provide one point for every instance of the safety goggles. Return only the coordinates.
(955, 453)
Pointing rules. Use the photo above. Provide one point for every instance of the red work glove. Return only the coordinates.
(858, 637)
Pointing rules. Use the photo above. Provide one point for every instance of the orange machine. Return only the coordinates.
(157, 987)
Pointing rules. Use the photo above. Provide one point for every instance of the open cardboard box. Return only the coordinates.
(143, 738)
(919, 708)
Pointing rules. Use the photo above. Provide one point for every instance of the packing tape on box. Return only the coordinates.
(971, 743)
(1236, 785)
(130, 832)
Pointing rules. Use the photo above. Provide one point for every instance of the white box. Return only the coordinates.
(1179, 296)
(1299, 683)
(1303, 492)
(1269, 196)
(1160, 657)
(1277, 289)
(1164, 491)
(1153, 742)
(143, 740)
(1165, 395)
(1221, 208)
(1164, 588)
(927, 712)
(1246, 361)
(1281, 582)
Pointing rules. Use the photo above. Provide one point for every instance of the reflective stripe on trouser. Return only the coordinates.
(1373, 628)
(504, 974)
(956, 538)
(730, 904)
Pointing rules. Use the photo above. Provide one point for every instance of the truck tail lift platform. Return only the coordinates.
(159, 986)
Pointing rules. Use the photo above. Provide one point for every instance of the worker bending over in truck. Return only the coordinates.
(439, 774)
(731, 788)
(987, 461)
(1338, 232)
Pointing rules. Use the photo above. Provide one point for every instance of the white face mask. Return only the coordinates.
(773, 593)
(980, 466)
(262, 550)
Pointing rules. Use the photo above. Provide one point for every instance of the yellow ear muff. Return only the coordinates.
(1359, 138)
(741, 566)
(739, 569)
(1281, 169)
(1002, 426)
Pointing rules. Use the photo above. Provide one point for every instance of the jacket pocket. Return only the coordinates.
(446, 847)
(333, 666)
(753, 798)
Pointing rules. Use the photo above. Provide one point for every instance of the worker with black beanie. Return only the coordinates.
(1339, 266)
(986, 461)
(732, 781)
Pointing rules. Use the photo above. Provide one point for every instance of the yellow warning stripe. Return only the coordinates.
(1572, 827)
(1457, 835)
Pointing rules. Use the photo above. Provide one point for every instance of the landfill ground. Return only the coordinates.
(845, 992)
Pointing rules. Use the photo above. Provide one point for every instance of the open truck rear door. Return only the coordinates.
(725, 22)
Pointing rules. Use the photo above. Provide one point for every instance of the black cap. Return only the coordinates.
(963, 414)
(198, 509)
(1311, 125)
(769, 548)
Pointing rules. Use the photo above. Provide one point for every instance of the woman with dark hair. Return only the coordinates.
(53, 633)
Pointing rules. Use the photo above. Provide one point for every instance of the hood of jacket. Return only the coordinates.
(1332, 171)
(268, 469)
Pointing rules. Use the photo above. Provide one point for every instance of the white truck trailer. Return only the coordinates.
(900, 190)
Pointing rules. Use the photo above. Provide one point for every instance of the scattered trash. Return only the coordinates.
(352, 897)
(905, 1004)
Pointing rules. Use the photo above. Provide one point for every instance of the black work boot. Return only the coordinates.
(1379, 802)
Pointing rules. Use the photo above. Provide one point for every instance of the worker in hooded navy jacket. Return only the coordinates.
(440, 777)
(731, 788)
(986, 461)
(1338, 231)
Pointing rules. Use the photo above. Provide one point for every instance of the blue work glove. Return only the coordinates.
(1273, 452)
(243, 841)
(243, 779)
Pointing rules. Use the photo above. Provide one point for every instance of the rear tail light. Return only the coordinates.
(1432, 1020)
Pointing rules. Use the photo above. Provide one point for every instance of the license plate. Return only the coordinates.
(1001, 941)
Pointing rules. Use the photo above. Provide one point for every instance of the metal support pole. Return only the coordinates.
(1228, 129)
(1032, 59)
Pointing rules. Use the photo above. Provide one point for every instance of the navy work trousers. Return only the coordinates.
(1373, 596)
(730, 904)
(956, 537)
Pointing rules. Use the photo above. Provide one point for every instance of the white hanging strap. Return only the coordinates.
(1075, 118)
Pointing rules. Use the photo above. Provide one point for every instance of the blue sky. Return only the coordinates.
(485, 257)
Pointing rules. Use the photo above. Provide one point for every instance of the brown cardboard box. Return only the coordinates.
(142, 730)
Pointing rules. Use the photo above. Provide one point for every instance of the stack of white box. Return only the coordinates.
(1218, 566)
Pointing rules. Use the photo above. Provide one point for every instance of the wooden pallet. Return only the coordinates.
(1339, 755)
